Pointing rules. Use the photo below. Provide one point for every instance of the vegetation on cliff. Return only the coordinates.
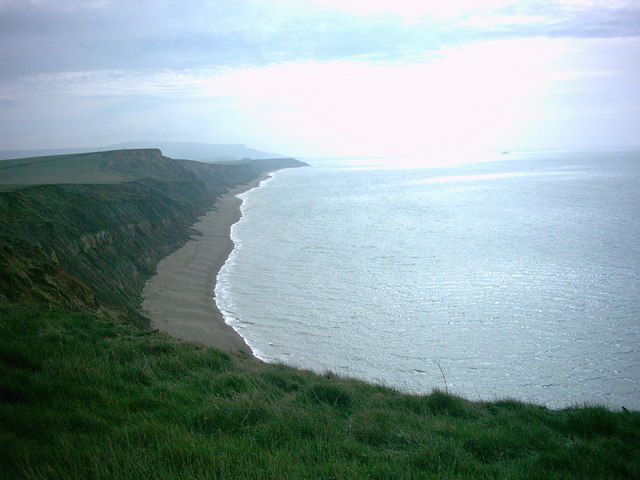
(102, 219)
(85, 393)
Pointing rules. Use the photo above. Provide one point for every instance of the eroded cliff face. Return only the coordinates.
(94, 245)
(27, 276)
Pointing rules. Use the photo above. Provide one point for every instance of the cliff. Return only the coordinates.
(86, 231)
(204, 152)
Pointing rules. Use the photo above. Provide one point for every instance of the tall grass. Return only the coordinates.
(87, 397)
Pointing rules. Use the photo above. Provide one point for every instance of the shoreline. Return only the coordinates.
(179, 297)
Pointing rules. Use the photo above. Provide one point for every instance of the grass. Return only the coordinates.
(84, 396)
(78, 168)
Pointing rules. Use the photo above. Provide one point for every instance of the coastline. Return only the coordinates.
(179, 297)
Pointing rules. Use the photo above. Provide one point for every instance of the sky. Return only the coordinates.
(322, 77)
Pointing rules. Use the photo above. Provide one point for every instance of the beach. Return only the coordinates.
(179, 297)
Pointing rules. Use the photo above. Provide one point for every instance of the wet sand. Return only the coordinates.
(179, 297)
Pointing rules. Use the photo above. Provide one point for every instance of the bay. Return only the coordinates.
(491, 276)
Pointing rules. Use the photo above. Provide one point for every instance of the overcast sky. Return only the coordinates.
(321, 77)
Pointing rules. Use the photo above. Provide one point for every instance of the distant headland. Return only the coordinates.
(203, 152)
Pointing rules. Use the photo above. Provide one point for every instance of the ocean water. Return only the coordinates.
(491, 276)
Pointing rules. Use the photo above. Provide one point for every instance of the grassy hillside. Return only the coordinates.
(90, 397)
(117, 166)
(84, 168)
(85, 393)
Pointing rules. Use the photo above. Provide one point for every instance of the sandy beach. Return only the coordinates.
(179, 297)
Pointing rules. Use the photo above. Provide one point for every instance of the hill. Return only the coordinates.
(86, 168)
(203, 152)
(206, 152)
(88, 391)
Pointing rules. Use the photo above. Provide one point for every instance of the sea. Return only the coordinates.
(490, 276)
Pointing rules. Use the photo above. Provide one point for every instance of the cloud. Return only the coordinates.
(341, 73)
(54, 35)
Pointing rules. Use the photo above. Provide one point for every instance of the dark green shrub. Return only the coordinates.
(15, 357)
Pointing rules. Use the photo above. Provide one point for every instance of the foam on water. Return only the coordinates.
(223, 291)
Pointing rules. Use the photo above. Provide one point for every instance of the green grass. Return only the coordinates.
(75, 168)
(88, 397)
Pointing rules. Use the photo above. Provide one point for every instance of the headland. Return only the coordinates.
(86, 231)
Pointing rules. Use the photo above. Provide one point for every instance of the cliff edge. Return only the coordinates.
(87, 230)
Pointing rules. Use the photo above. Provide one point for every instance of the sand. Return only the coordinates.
(179, 297)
